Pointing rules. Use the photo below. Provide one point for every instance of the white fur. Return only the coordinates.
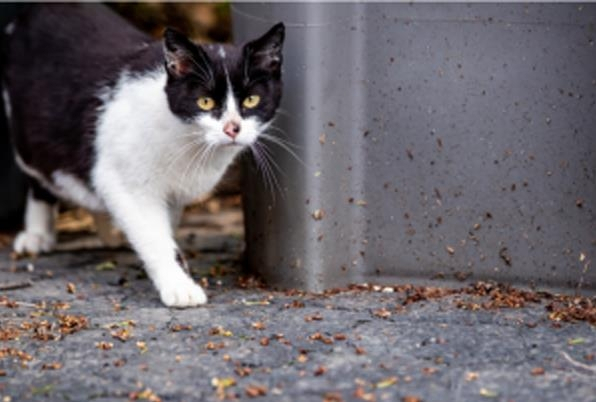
(71, 188)
(65, 186)
(148, 159)
(221, 52)
(38, 235)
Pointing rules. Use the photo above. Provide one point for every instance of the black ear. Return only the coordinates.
(264, 53)
(182, 56)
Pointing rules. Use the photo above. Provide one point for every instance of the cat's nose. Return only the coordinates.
(232, 129)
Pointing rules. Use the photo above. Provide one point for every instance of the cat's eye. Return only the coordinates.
(205, 103)
(251, 101)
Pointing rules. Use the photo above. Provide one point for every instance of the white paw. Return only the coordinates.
(179, 290)
(34, 243)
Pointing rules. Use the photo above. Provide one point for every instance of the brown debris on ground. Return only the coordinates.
(487, 296)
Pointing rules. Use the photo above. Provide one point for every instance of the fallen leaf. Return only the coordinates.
(146, 395)
(254, 390)
(221, 384)
(258, 325)
(121, 334)
(332, 397)
(387, 382)
(471, 376)
(142, 346)
(320, 371)
(411, 398)
(363, 395)
(382, 313)
(256, 302)
(576, 341)
(487, 393)
(104, 345)
(106, 266)
(537, 371)
(220, 331)
(180, 327)
(52, 366)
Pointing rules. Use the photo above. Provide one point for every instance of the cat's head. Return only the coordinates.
(231, 93)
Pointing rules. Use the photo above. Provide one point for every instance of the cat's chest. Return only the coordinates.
(187, 172)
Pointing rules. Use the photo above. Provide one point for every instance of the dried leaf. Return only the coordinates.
(487, 393)
(320, 371)
(52, 366)
(258, 325)
(471, 376)
(387, 382)
(254, 390)
(106, 266)
(576, 341)
(104, 345)
(142, 346)
(536, 371)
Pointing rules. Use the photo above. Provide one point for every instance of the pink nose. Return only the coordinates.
(232, 129)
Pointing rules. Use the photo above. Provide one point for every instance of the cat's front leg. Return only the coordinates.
(144, 218)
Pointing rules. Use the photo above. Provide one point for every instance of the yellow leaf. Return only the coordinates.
(387, 382)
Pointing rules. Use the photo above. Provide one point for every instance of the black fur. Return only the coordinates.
(61, 56)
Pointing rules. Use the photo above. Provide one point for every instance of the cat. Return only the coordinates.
(104, 117)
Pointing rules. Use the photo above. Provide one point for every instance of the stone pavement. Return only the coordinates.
(86, 325)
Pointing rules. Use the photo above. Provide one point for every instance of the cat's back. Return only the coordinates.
(71, 34)
(58, 61)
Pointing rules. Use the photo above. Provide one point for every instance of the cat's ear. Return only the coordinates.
(182, 57)
(265, 53)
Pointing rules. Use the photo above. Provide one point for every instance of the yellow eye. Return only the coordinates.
(205, 103)
(251, 102)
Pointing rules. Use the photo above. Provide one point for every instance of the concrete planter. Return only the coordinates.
(447, 141)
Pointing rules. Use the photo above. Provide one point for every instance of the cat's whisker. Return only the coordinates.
(283, 112)
(200, 151)
(179, 153)
(265, 165)
(284, 140)
(287, 148)
(268, 154)
(263, 170)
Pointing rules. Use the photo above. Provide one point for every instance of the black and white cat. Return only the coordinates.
(106, 118)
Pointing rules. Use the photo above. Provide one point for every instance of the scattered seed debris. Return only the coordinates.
(318, 214)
